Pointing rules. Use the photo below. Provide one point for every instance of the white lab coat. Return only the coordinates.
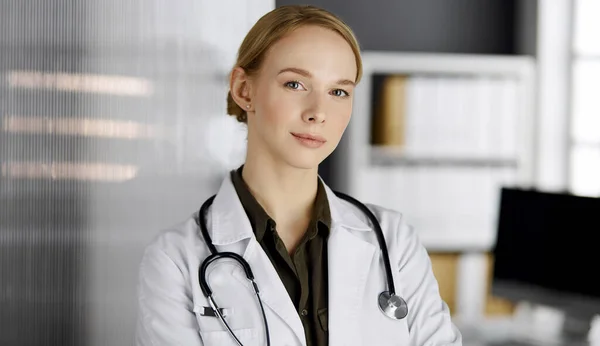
(171, 302)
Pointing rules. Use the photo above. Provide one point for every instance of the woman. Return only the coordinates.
(315, 257)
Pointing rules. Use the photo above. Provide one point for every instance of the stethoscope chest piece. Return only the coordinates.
(392, 306)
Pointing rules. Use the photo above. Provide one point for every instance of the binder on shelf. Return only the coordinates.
(389, 121)
(445, 117)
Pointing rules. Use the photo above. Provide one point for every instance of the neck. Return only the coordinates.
(286, 193)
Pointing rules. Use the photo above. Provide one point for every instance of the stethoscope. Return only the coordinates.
(389, 303)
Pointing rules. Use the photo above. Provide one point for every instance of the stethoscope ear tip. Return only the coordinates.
(392, 305)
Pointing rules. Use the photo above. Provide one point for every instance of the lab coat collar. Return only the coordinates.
(344, 213)
(230, 219)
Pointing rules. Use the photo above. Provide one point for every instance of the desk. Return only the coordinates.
(502, 332)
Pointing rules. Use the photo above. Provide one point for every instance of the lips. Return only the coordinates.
(309, 140)
(309, 136)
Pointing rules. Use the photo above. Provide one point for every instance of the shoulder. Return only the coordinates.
(169, 239)
(176, 244)
(386, 214)
(394, 223)
(400, 235)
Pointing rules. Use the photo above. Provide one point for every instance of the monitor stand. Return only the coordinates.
(541, 325)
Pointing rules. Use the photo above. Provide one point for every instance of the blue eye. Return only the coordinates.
(340, 93)
(293, 85)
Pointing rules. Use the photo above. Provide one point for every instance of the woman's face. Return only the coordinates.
(302, 97)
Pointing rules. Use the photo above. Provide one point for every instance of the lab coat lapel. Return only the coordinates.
(272, 291)
(230, 225)
(349, 260)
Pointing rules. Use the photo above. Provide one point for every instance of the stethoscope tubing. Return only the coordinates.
(361, 206)
(215, 255)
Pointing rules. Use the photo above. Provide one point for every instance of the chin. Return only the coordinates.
(304, 159)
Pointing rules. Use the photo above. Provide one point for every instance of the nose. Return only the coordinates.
(314, 117)
(316, 113)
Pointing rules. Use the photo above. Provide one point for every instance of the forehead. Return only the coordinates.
(321, 51)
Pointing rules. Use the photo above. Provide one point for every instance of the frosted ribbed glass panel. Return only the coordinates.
(112, 127)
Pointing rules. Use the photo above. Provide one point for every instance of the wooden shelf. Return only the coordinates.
(467, 242)
(382, 156)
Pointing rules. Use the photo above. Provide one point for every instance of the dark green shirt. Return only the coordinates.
(304, 273)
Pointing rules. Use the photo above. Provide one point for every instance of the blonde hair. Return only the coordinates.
(275, 25)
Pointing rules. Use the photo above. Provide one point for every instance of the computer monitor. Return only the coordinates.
(547, 251)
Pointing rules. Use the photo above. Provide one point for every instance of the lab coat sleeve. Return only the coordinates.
(165, 308)
(429, 318)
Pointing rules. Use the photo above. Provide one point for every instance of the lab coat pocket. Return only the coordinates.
(247, 336)
(238, 305)
(211, 323)
(384, 331)
(213, 332)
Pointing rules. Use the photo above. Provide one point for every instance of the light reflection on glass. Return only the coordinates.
(70, 171)
(101, 84)
(79, 127)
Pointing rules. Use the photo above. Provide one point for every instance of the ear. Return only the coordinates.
(240, 88)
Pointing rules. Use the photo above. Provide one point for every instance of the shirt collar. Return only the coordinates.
(229, 222)
(260, 219)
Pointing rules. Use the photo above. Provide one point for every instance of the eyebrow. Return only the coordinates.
(309, 75)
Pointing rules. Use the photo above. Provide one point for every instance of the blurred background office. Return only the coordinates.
(478, 119)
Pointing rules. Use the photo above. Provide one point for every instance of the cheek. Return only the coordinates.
(341, 118)
(276, 108)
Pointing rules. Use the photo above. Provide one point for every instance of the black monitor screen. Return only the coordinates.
(549, 241)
